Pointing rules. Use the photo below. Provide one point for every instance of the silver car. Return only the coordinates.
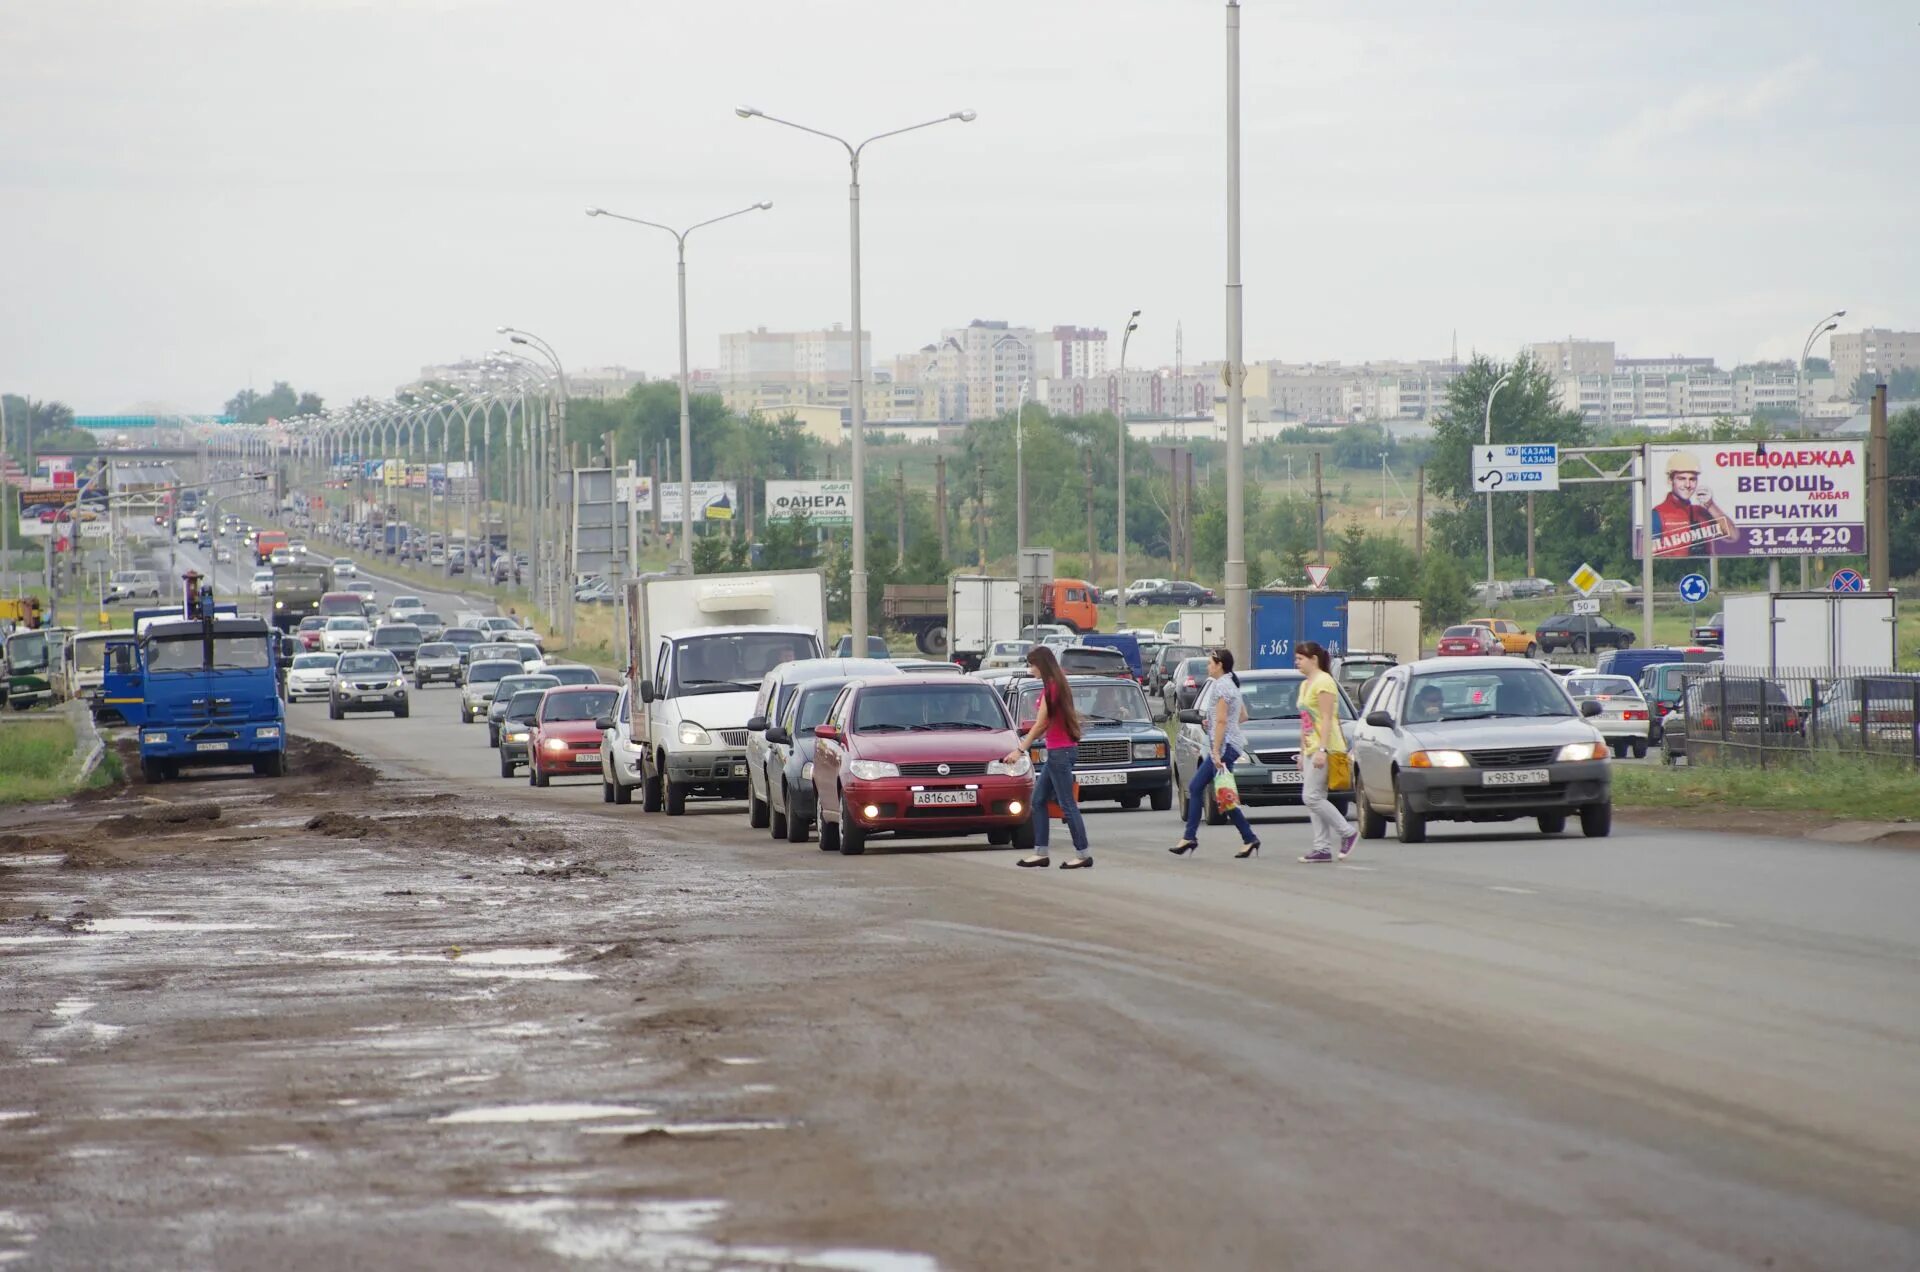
(483, 676)
(1481, 740)
(503, 695)
(436, 660)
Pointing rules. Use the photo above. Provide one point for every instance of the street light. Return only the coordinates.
(1019, 456)
(1120, 551)
(686, 417)
(1821, 328)
(562, 598)
(1487, 437)
(858, 581)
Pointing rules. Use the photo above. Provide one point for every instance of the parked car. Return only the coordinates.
(1580, 634)
(1663, 685)
(1484, 739)
(1122, 754)
(1526, 589)
(436, 661)
(1089, 660)
(1625, 719)
(1513, 638)
(1183, 687)
(566, 734)
(1874, 712)
(1486, 592)
(919, 757)
(1006, 653)
(503, 691)
(777, 688)
(343, 633)
(1170, 592)
(1711, 632)
(1467, 640)
(367, 680)
(1165, 662)
(791, 800)
(516, 729)
(311, 676)
(1739, 712)
(1269, 774)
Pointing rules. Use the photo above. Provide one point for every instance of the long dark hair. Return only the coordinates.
(1224, 657)
(1056, 692)
(1316, 651)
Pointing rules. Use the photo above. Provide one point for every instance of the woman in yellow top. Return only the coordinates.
(1320, 735)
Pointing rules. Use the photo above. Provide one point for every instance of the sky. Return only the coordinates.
(199, 195)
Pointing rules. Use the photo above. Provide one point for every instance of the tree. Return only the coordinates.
(789, 543)
(278, 403)
(1361, 446)
(719, 554)
(1445, 593)
(41, 426)
(1902, 385)
(1903, 495)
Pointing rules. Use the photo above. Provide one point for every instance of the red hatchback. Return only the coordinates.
(565, 741)
(920, 757)
(1468, 642)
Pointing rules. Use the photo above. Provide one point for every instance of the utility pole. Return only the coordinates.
(1420, 513)
(900, 504)
(980, 513)
(1529, 534)
(1093, 555)
(1239, 603)
(940, 509)
(1879, 569)
(1319, 512)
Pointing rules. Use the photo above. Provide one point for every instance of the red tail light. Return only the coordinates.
(1706, 720)
(1191, 682)
(1663, 708)
(1793, 720)
(1853, 717)
(1633, 715)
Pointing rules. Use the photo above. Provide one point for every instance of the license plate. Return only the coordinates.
(1746, 722)
(1101, 779)
(923, 799)
(739, 770)
(1285, 777)
(210, 746)
(1894, 731)
(586, 755)
(1514, 777)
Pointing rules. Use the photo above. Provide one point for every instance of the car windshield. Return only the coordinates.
(815, 701)
(738, 660)
(312, 623)
(1109, 702)
(427, 618)
(495, 651)
(438, 649)
(525, 705)
(397, 634)
(1502, 693)
(315, 662)
(1724, 689)
(487, 673)
(511, 685)
(581, 704)
(461, 635)
(574, 674)
(928, 709)
(1096, 660)
(369, 665)
(346, 624)
(1601, 687)
(1466, 629)
(1278, 698)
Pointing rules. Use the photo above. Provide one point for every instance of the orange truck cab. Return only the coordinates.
(1074, 602)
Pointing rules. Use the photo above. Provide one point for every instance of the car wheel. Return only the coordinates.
(853, 838)
(1161, 800)
(1619, 750)
(649, 791)
(1214, 816)
(1022, 836)
(152, 772)
(1596, 821)
(1129, 802)
(829, 835)
(606, 791)
(1000, 837)
(493, 735)
(1372, 824)
(1580, 645)
(757, 811)
(676, 801)
(622, 793)
(1533, 650)
(776, 818)
(333, 710)
(1552, 823)
(1408, 826)
(402, 712)
(1639, 750)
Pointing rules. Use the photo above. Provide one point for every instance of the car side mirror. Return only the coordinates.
(778, 736)
(829, 732)
(646, 691)
(757, 724)
(1590, 708)
(1189, 715)
(1026, 725)
(603, 723)
(1379, 720)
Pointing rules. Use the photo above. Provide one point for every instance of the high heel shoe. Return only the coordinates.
(1184, 847)
(1251, 850)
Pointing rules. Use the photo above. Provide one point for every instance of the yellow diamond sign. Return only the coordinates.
(1585, 579)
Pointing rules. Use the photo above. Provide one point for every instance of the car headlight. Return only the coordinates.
(516, 735)
(1149, 750)
(1019, 768)
(1437, 759)
(279, 604)
(267, 731)
(154, 739)
(553, 744)
(806, 771)
(873, 770)
(1583, 751)
(692, 734)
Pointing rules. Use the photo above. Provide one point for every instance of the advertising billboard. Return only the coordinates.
(825, 503)
(712, 501)
(1761, 499)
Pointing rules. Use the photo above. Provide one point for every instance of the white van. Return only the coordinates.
(133, 585)
(186, 529)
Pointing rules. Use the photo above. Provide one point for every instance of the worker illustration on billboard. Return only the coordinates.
(1687, 522)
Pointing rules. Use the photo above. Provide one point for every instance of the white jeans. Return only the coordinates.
(1329, 827)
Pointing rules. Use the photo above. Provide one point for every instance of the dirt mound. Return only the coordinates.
(172, 819)
(345, 826)
(313, 760)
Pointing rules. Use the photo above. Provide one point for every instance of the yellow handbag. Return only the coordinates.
(1339, 771)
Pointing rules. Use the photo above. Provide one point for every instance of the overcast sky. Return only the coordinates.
(199, 194)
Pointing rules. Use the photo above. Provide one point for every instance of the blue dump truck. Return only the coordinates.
(201, 687)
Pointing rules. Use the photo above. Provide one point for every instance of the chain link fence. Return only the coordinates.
(1757, 716)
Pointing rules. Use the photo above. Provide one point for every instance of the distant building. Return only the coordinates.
(800, 357)
(1574, 357)
(1876, 351)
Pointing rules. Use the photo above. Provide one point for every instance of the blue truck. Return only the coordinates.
(1282, 618)
(200, 685)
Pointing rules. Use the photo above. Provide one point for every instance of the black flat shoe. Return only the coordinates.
(1077, 863)
(1041, 862)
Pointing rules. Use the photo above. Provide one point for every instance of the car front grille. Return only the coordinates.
(1103, 752)
(1515, 757)
(955, 768)
(733, 737)
(1277, 758)
(1513, 796)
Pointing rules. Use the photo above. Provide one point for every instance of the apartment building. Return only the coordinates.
(1574, 357)
(1145, 395)
(824, 356)
(1874, 352)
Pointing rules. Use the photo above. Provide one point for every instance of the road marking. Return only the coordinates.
(1706, 923)
(1521, 892)
(1350, 866)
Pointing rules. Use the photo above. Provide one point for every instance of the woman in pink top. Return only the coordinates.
(1057, 721)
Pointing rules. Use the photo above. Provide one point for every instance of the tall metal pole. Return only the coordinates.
(1487, 438)
(1120, 558)
(858, 392)
(686, 421)
(1239, 603)
(1879, 549)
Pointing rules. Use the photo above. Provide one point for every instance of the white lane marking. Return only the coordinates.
(1344, 865)
(1706, 923)
(1519, 892)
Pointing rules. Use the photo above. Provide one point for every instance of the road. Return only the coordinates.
(345, 1040)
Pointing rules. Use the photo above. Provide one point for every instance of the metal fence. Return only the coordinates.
(1757, 716)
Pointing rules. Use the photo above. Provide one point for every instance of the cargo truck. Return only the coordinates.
(297, 590)
(1381, 625)
(1812, 631)
(980, 611)
(1284, 618)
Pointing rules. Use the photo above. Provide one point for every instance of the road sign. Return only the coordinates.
(1693, 589)
(1585, 605)
(1522, 468)
(1317, 574)
(1847, 581)
(1585, 579)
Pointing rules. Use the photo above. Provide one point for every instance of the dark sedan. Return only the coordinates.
(1712, 632)
(790, 795)
(1122, 754)
(1270, 772)
(1742, 714)
(1581, 633)
(1176, 592)
(1182, 688)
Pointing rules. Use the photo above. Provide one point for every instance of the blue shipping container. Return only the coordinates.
(1282, 619)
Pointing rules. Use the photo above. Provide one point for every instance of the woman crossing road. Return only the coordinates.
(1222, 708)
(1057, 722)
(1320, 743)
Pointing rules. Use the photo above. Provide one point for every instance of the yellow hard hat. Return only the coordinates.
(1682, 462)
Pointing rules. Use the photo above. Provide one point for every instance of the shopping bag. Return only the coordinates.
(1339, 771)
(1226, 791)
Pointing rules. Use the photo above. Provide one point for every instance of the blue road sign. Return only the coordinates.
(1847, 581)
(1693, 589)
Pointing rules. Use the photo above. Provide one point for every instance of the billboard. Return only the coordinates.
(826, 503)
(1755, 499)
(712, 501)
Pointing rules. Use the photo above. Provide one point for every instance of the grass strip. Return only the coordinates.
(1853, 787)
(34, 756)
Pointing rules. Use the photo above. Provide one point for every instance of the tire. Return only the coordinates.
(273, 764)
(1000, 838)
(152, 772)
(1552, 823)
(506, 766)
(776, 818)
(1130, 802)
(796, 826)
(622, 793)
(933, 641)
(1409, 826)
(1214, 816)
(1022, 836)
(606, 791)
(853, 840)
(1596, 821)
(535, 776)
(466, 716)
(829, 836)
(333, 710)
(758, 813)
(676, 801)
(1619, 750)
(1372, 824)
(1533, 650)
(493, 736)
(402, 712)
(1580, 645)
(649, 791)
(1639, 750)
(1161, 800)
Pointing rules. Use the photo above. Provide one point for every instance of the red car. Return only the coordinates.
(566, 740)
(920, 757)
(1468, 642)
(309, 632)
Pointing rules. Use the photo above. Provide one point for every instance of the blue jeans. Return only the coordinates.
(1055, 782)
(1197, 795)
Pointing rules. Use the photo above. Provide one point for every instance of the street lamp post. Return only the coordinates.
(1487, 437)
(686, 417)
(560, 599)
(1821, 328)
(1120, 544)
(857, 387)
(1239, 603)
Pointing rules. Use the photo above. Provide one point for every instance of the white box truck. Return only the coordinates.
(1206, 628)
(697, 648)
(1811, 631)
(980, 610)
(1384, 626)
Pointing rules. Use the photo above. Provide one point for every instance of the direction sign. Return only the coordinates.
(1847, 581)
(1585, 579)
(1693, 589)
(1524, 468)
(1585, 605)
(1317, 574)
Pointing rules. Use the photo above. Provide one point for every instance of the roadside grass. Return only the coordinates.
(33, 756)
(1852, 787)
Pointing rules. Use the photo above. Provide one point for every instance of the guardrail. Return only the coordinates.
(1757, 716)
